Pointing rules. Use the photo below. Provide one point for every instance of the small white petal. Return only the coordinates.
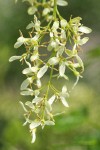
(63, 100)
(51, 100)
(63, 23)
(49, 123)
(64, 89)
(38, 83)
(84, 29)
(45, 11)
(31, 25)
(30, 104)
(53, 61)
(83, 41)
(42, 71)
(37, 100)
(30, 70)
(33, 135)
(55, 25)
(62, 68)
(18, 44)
(25, 83)
(28, 92)
(32, 10)
(62, 3)
(14, 58)
(34, 124)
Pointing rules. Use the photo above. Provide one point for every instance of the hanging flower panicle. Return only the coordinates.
(39, 111)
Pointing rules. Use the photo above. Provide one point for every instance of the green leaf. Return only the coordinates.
(14, 58)
(42, 71)
(62, 3)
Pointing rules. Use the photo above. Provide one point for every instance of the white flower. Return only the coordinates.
(42, 71)
(45, 11)
(63, 95)
(51, 100)
(63, 23)
(32, 10)
(34, 124)
(14, 58)
(62, 3)
(20, 41)
(55, 25)
(33, 135)
(84, 29)
(25, 83)
(53, 61)
(62, 68)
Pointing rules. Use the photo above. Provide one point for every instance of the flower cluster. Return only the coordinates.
(60, 32)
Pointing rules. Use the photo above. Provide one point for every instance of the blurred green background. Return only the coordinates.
(79, 128)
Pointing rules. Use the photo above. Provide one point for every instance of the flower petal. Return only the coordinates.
(64, 102)
(42, 71)
(51, 100)
(14, 58)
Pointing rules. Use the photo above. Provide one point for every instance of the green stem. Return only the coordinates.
(49, 82)
(55, 9)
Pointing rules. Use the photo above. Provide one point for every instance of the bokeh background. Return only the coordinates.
(79, 127)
